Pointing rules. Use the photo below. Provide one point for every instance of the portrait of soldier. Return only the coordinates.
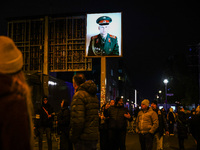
(103, 44)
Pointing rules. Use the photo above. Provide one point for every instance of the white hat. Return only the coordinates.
(145, 102)
(11, 59)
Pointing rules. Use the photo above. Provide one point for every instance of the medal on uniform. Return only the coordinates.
(109, 40)
(97, 41)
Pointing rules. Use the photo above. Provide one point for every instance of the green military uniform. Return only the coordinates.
(100, 47)
(103, 47)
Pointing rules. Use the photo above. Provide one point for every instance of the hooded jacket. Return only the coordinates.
(147, 121)
(84, 113)
(14, 122)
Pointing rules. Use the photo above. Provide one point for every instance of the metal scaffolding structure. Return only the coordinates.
(63, 43)
(51, 44)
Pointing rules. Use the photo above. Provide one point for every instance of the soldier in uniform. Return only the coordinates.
(103, 44)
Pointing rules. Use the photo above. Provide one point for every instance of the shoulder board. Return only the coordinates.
(94, 37)
(112, 36)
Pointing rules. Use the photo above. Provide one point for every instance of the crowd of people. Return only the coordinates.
(81, 126)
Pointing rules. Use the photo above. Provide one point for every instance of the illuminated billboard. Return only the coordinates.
(104, 35)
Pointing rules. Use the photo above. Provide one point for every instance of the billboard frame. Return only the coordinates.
(119, 35)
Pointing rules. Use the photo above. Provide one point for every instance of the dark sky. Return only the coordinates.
(151, 31)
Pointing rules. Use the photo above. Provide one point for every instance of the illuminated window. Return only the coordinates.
(119, 78)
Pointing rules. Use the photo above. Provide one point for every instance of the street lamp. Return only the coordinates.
(165, 81)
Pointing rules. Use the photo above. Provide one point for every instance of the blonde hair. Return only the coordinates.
(19, 84)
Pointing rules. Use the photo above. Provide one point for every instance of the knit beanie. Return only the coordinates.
(11, 59)
(145, 102)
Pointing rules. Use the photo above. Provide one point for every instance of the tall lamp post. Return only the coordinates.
(165, 81)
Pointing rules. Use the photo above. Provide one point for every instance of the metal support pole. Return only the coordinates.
(135, 98)
(45, 63)
(103, 81)
(166, 95)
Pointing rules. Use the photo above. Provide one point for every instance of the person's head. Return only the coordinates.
(119, 101)
(145, 104)
(112, 102)
(171, 109)
(182, 109)
(103, 22)
(45, 100)
(103, 30)
(154, 104)
(78, 79)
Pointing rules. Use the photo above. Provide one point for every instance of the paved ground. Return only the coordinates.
(132, 143)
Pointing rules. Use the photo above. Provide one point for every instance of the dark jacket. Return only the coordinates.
(64, 120)
(14, 122)
(171, 118)
(162, 122)
(182, 125)
(44, 120)
(84, 113)
(195, 127)
(116, 117)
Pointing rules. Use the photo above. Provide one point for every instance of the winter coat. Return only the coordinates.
(14, 118)
(116, 119)
(84, 119)
(195, 127)
(147, 121)
(182, 125)
(64, 120)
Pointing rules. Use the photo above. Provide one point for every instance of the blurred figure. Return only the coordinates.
(164, 112)
(146, 125)
(45, 122)
(171, 121)
(64, 126)
(84, 114)
(103, 128)
(117, 124)
(16, 128)
(161, 128)
(195, 127)
(182, 128)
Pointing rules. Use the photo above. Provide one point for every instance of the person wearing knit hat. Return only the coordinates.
(145, 102)
(15, 99)
(11, 59)
(146, 125)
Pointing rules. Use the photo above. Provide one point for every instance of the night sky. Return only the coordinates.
(151, 32)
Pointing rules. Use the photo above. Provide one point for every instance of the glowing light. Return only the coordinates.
(52, 83)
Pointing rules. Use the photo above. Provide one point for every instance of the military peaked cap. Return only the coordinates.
(104, 20)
